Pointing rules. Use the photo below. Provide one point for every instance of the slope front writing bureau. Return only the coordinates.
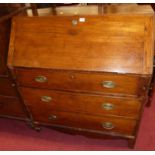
(88, 74)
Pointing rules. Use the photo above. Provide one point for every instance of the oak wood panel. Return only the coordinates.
(107, 43)
(11, 107)
(82, 81)
(84, 103)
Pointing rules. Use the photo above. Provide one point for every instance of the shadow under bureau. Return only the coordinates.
(87, 74)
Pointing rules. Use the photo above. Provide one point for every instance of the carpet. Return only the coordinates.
(15, 135)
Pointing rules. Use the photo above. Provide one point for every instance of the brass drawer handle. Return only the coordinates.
(74, 22)
(108, 84)
(107, 125)
(41, 79)
(46, 98)
(52, 117)
(107, 106)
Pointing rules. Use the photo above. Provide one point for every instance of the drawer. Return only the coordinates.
(105, 124)
(77, 102)
(107, 83)
(7, 88)
(11, 107)
(110, 124)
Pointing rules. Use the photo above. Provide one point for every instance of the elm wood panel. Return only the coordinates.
(83, 81)
(11, 107)
(121, 126)
(61, 54)
(84, 103)
(120, 30)
(7, 87)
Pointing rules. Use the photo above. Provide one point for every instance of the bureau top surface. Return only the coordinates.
(106, 43)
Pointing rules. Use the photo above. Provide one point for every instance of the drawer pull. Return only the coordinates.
(107, 106)
(74, 22)
(41, 79)
(108, 84)
(107, 125)
(46, 98)
(52, 117)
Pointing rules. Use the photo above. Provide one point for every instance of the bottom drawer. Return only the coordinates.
(90, 122)
(11, 107)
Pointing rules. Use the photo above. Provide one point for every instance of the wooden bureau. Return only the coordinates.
(87, 73)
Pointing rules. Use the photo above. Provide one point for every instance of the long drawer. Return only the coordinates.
(107, 83)
(10, 106)
(48, 100)
(105, 124)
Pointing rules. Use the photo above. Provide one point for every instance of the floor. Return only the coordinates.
(15, 135)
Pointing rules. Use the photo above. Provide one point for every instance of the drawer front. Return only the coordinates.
(110, 124)
(105, 124)
(11, 107)
(76, 102)
(77, 81)
(7, 87)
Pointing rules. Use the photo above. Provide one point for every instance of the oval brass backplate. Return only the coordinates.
(107, 106)
(108, 84)
(46, 98)
(40, 79)
(107, 125)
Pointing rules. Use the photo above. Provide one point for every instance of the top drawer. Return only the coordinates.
(104, 83)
